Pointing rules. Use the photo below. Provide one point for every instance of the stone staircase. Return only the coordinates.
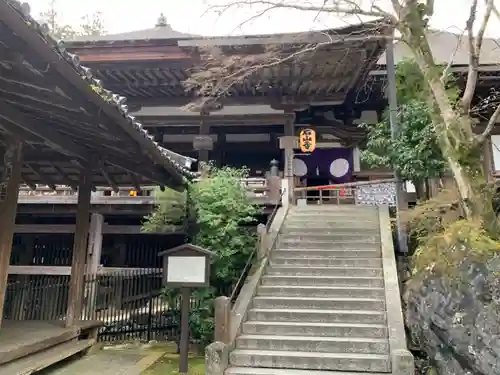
(320, 308)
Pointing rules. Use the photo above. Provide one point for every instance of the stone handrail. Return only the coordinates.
(401, 359)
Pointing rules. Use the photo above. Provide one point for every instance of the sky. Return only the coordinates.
(191, 16)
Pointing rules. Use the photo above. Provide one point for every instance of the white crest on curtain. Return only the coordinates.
(299, 167)
(339, 167)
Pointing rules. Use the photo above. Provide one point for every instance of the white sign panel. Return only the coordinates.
(186, 269)
(495, 149)
(376, 194)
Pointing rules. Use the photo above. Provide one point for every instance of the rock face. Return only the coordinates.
(458, 323)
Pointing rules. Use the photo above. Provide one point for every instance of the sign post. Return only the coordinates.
(186, 266)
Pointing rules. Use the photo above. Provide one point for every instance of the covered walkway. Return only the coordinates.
(60, 126)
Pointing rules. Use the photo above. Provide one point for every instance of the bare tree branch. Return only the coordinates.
(475, 45)
(350, 8)
(446, 70)
(494, 117)
(480, 139)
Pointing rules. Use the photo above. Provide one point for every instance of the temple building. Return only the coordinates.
(332, 90)
(329, 95)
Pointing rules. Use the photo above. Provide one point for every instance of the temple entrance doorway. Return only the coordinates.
(313, 195)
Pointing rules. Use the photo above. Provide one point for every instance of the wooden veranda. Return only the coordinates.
(59, 126)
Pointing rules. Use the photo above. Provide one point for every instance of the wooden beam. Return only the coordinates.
(8, 208)
(109, 178)
(135, 181)
(66, 271)
(57, 141)
(106, 229)
(64, 177)
(273, 100)
(66, 145)
(75, 299)
(28, 182)
(37, 172)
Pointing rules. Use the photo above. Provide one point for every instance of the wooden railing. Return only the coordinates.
(259, 189)
(361, 192)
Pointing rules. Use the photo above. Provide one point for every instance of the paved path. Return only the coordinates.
(106, 362)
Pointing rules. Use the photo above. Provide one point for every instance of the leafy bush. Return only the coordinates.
(222, 212)
(415, 154)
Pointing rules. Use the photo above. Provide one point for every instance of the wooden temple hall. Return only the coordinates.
(59, 126)
(247, 126)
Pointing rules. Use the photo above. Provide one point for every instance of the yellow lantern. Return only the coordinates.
(132, 193)
(307, 140)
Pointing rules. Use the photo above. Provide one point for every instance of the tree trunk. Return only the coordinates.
(420, 189)
(456, 140)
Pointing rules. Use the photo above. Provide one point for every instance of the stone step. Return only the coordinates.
(274, 371)
(335, 207)
(331, 210)
(305, 360)
(328, 229)
(332, 235)
(316, 329)
(324, 271)
(301, 242)
(321, 219)
(334, 215)
(326, 262)
(310, 315)
(273, 302)
(333, 252)
(319, 291)
(313, 344)
(295, 280)
(345, 225)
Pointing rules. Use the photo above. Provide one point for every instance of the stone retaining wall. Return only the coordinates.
(457, 325)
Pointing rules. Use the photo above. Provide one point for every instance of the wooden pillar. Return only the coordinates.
(75, 299)
(94, 250)
(289, 155)
(121, 261)
(221, 150)
(203, 144)
(8, 209)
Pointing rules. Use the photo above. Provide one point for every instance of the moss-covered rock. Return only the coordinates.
(456, 321)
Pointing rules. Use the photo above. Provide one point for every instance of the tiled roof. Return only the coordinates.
(444, 46)
(162, 30)
(181, 163)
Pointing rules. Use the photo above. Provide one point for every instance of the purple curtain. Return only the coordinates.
(322, 162)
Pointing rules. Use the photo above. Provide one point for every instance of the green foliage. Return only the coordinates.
(223, 212)
(415, 154)
(442, 239)
(443, 253)
(170, 209)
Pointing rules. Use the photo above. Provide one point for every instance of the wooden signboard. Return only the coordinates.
(186, 266)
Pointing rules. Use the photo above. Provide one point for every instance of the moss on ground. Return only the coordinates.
(169, 365)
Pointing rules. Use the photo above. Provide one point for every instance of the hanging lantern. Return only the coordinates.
(307, 140)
